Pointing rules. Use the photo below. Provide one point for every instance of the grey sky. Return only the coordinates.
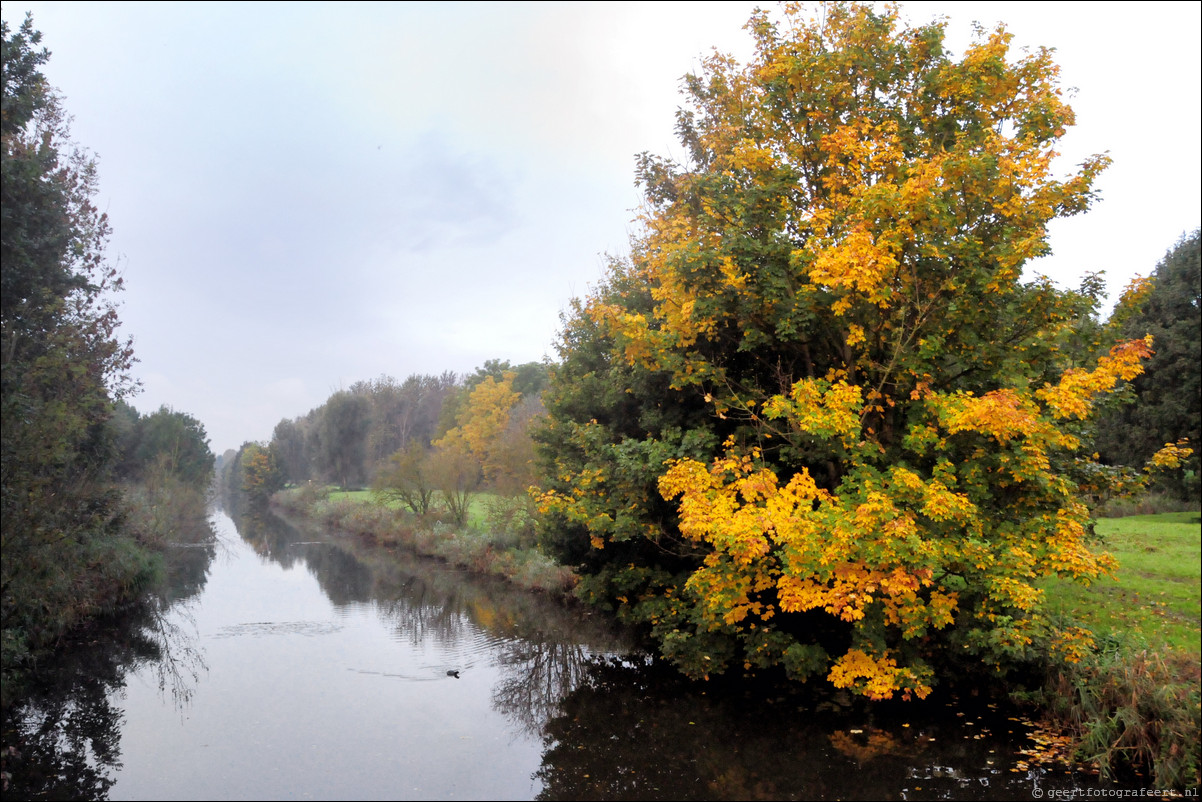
(306, 195)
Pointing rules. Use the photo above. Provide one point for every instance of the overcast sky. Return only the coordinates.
(306, 195)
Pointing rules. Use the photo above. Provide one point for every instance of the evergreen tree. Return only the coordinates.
(1167, 398)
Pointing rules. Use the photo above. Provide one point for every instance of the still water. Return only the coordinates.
(327, 679)
(292, 664)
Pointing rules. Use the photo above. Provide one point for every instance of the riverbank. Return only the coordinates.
(57, 590)
(1133, 704)
(497, 541)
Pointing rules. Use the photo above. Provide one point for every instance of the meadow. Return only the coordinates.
(1156, 594)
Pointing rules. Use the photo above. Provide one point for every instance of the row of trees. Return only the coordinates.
(70, 551)
(820, 421)
(341, 441)
(424, 441)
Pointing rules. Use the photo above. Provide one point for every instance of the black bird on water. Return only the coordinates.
(453, 673)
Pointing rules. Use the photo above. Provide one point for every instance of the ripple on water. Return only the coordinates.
(259, 628)
(425, 673)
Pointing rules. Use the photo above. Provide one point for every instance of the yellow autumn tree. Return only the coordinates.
(481, 424)
(887, 458)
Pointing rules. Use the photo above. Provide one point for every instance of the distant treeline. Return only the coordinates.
(360, 432)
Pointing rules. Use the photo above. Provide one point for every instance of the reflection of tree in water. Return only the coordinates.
(188, 557)
(633, 730)
(178, 660)
(62, 741)
(342, 577)
(169, 625)
(540, 645)
(423, 613)
(538, 675)
(270, 536)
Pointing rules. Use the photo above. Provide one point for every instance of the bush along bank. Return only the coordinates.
(497, 539)
(1132, 705)
(1130, 711)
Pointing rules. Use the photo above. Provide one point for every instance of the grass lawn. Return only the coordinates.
(351, 495)
(1158, 590)
(476, 514)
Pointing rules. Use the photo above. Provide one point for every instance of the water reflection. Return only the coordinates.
(633, 730)
(63, 740)
(540, 647)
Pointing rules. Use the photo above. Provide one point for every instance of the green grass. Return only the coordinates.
(1156, 596)
(476, 514)
(350, 495)
(497, 538)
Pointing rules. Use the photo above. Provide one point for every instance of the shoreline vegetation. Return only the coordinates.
(123, 570)
(497, 539)
(1129, 708)
(1134, 702)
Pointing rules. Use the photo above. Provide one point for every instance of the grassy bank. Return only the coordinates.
(498, 538)
(1134, 704)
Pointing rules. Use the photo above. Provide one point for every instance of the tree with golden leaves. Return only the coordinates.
(481, 424)
(879, 457)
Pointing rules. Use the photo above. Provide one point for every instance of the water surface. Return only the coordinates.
(297, 664)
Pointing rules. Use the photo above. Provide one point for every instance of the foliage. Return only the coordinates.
(165, 467)
(407, 479)
(481, 422)
(456, 474)
(165, 440)
(342, 438)
(610, 426)
(514, 453)
(510, 519)
(831, 288)
(528, 380)
(403, 413)
(288, 442)
(261, 474)
(1167, 399)
(66, 557)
